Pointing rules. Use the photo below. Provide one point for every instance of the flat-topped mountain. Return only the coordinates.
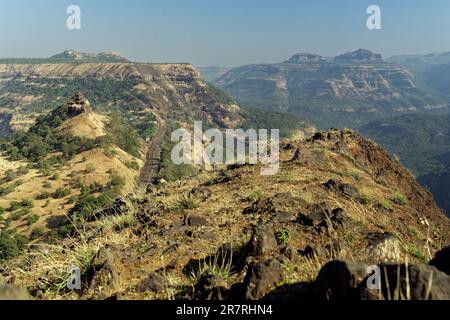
(72, 55)
(348, 90)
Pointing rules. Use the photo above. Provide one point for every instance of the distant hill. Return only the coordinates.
(72, 55)
(422, 142)
(348, 90)
(432, 71)
(212, 73)
(431, 58)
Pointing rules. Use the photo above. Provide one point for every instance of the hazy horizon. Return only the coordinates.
(225, 34)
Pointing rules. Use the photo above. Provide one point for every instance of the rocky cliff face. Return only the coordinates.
(29, 89)
(345, 91)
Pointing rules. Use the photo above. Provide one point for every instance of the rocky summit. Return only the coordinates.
(78, 105)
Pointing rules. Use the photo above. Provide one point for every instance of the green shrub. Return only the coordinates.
(61, 193)
(32, 219)
(36, 233)
(355, 175)
(23, 170)
(132, 165)
(11, 244)
(254, 196)
(284, 236)
(116, 181)
(5, 190)
(386, 205)
(365, 199)
(416, 253)
(400, 200)
(187, 202)
(10, 175)
(25, 203)
(15, 216)
(44, 195)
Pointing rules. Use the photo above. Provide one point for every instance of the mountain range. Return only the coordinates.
(348, 90)
(89, 182)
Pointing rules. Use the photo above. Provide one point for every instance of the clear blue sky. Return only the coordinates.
(226, 32)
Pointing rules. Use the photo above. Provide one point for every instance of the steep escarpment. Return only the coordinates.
(345, 91)
(423, 144)
(149, 95)
(121, 86)
(233, 233)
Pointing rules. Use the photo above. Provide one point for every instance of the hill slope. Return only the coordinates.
(54, 167)
(423, 144)
(430, 70)
(179, 235)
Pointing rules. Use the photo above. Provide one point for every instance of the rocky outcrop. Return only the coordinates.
(105, 279)
(442, 260)
(305, 58)
(341, 281)
(78, 105)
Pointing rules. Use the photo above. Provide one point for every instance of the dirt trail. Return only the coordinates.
(150, 170)
(149, 173)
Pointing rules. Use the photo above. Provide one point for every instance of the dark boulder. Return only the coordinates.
(263, 241)
(283, 217)
(210, 287)
(282, 202)
(195, 221)
(344, 188)
(153, 283)
(442, 260)
(415, 282)
(261, 278)
(202, 193)
(339, 280)
(105, 278)
(321, 216)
